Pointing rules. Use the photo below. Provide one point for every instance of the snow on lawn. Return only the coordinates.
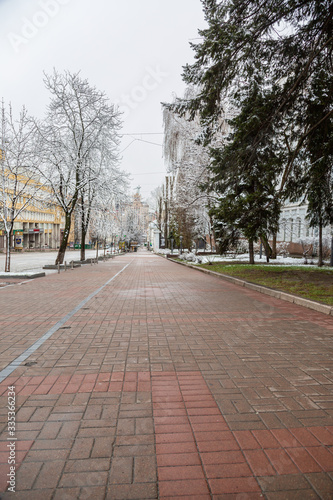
(202, 259)
(245, 258)
(290, 261)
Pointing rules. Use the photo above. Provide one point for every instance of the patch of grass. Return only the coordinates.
(310, 283)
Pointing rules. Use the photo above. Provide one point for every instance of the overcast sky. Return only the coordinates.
(133, 50)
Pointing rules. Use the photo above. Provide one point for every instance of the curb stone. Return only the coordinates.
(62, 266)
(295, 299)
(22, 275)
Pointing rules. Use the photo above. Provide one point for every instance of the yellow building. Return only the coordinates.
(38, 227)
(40, 222)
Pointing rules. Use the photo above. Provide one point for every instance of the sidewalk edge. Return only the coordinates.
(22, 275)
(277, 294)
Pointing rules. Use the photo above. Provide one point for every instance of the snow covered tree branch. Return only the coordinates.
(19, 183)
(80, 128)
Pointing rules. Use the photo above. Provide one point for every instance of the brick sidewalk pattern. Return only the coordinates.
(167, 384)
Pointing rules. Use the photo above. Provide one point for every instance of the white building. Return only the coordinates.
(293, 227)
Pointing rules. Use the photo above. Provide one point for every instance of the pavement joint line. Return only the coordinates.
(277, 294)
(20, 283)
(19, 360)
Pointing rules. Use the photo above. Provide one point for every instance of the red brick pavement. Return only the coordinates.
(166, 384)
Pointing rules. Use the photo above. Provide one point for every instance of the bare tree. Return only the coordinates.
(80, 123)
(97, 199)
(157, 205)
(19, 183)
(104, 181)
(188, 162)
(103, 217)
(131, 229)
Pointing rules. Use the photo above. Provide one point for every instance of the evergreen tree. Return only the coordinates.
(319, 175)
(278, 46)
(282, 39)
(247, 182)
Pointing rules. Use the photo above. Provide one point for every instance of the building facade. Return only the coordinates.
(294, 228)
(39, 221)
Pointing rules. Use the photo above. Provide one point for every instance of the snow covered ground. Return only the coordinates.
(290, 261)
(202, 259)
(34, 261)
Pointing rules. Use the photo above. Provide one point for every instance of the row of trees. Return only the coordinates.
(270, 64)
(69, 158)
(184, 202)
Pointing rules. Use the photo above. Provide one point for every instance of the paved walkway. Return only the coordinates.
(146, 379)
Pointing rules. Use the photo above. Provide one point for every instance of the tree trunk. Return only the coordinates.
(63, 244)
(83, 231)
(8, 239)
(96, 248)
(212, 233)
(166, 214)
(159, 215)
(251, 252)
(166, 225)
(268, 250)
(83, 243)
(274, 256)
(320, 247)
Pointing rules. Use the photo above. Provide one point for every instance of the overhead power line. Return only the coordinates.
(149, 173)
(149, 142)
(141, 140)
